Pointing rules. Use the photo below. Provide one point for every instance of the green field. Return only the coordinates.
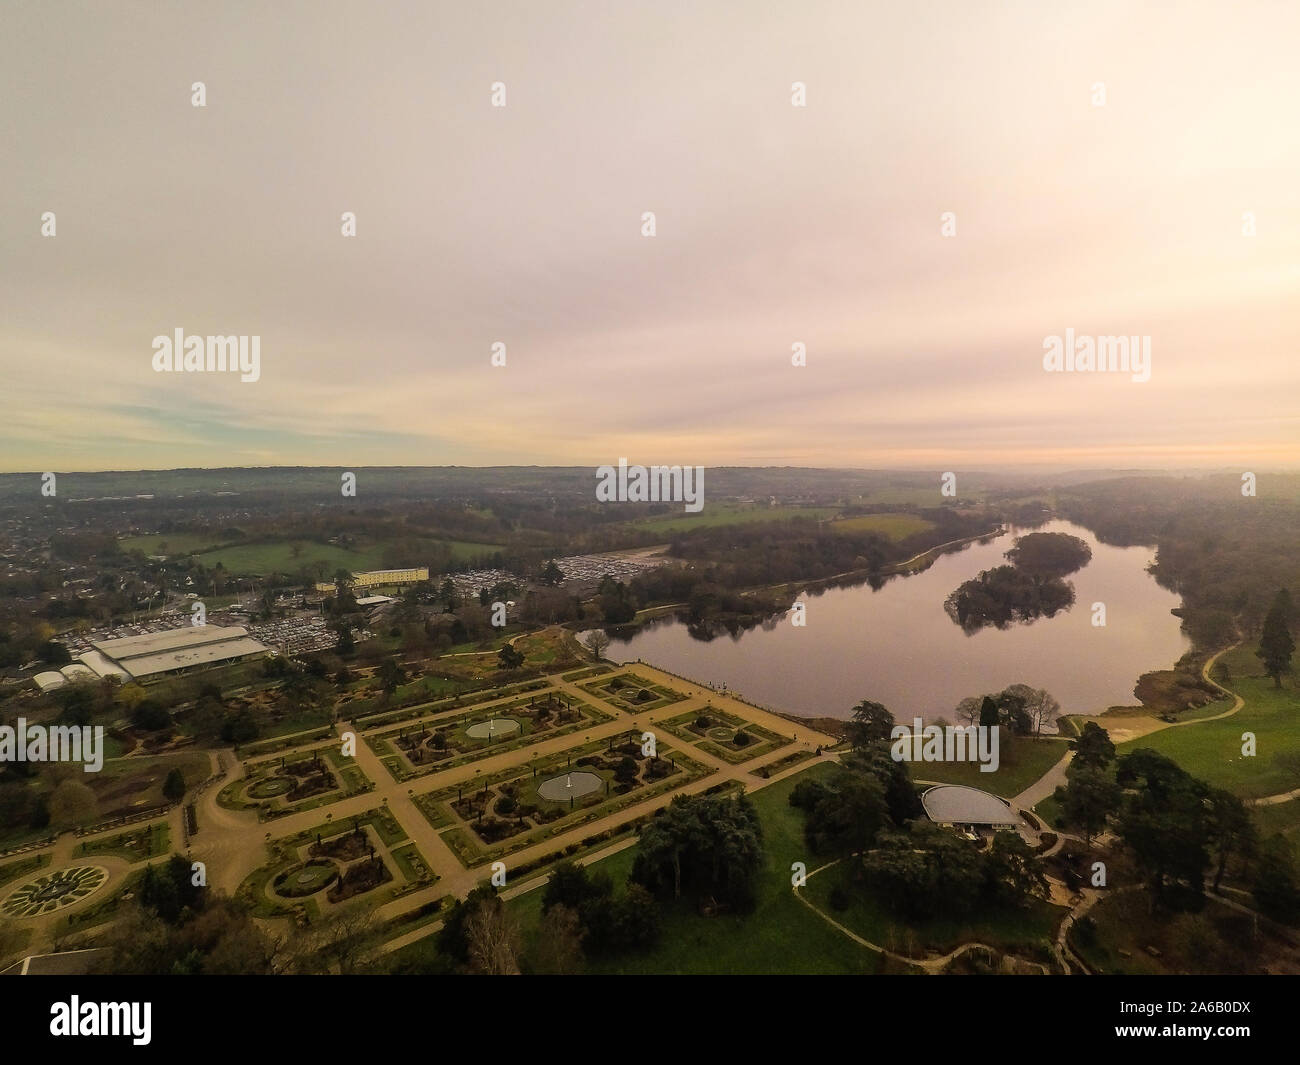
(1025, 931)
(1212, 750)
(277, 556)
(1283, 817)
(1020, 763)
(894, 526)
(716, 514)
(781, 936)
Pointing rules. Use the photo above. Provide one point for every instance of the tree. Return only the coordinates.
(896, 777)
(702, 845)
(1013, 875)
(509, 657)
(870, 724)
(173, 787)
(628, 922)
(1164, 822)
(72, 805)
(557, 948)
(1089, 797)
(597, 641)
(1231, 829)
(54, 653)
(341, 942)
(926, 871)
(494, 939)
(391, 676)
(849, 816)
(551, 574)
(1093, 748)
(573, 885)
(453, 938)
(968, 710)
(1274, 883)
(1038, 705)
(1275, 642)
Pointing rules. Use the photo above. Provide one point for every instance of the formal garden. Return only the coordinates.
(336, 862)
(294, 782)
(523, 805)
(724, 735)
(135, 844)
(631, 693)
(54, 891)
(419, 749)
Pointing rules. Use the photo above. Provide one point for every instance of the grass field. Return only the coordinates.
(1212, 750)
(1020, 763)
(1029, 930)
(1283, 817)
(277, 556)
(781, 936)
(716, 514)
(894, 526)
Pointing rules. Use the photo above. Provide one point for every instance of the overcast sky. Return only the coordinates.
(775, 224)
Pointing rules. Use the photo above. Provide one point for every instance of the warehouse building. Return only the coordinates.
(155, 655)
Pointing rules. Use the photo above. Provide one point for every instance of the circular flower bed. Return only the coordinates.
(269, 787)
(306, 879)
(55, 890)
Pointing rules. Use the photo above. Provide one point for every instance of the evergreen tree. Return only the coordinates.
(1275, 643)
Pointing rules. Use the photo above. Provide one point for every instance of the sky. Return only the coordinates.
(1101, 164)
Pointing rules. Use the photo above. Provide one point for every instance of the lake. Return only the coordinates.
(898, 646)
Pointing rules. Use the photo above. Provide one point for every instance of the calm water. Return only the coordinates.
(898, 646)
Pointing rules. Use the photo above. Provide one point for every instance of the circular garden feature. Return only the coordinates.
(269, 787)
(569, 786)
(498, 726)
(55, 890)
(306, 879)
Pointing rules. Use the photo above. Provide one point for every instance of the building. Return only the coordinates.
(968, 809)
(384, 578)
(155, 655)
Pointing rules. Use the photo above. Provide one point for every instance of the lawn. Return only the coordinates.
(715, 514)
(1283, 817)
(894, 526)
(1025, 931)
(781, 936)
(277, 556)
(1212, 750)
(1020, 763)
(1121, 927)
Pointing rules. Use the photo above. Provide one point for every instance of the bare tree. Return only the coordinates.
(558, 948)
(494, 940)
(597, 641)
(1040, 705)
(968, 710)
(341, 942)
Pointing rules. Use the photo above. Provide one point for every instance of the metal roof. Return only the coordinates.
(952, 804)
